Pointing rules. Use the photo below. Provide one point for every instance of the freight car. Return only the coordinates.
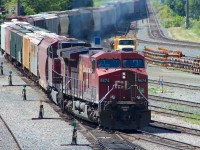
(106, 87)
(85, 22)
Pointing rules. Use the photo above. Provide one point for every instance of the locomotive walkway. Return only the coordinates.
(17, 113)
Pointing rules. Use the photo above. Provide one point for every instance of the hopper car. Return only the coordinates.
(87, 22)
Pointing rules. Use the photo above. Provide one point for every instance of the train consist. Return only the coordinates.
(106, 87)
(85, 22)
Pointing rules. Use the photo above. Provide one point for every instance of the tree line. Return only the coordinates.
(179, 7)
(30, 7)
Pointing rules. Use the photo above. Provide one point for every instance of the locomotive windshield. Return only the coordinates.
(133, 63)
(108, 63)
(126, 42)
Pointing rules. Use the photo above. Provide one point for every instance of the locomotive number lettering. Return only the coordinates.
(142, 80)
(104, 80)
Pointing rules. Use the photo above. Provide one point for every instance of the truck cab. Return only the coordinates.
(124, 43)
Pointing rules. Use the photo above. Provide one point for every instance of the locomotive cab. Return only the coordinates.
(123, 90)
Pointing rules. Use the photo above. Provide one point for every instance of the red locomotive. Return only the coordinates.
(109, 88)
(106, 87)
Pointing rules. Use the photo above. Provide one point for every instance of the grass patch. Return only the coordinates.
(193, 121)
(97, 3)
(183, 108)
(188, 118)
(152, 90)
(197, 116)
(176, 107)
(183, 34)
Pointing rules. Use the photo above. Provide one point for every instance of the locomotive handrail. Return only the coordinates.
(107, 94)
(142, 94)
(105, 97)
(67, 84)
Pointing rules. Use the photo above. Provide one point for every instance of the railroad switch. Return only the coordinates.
(41, 110)
(1, 68)
(24, 92)
(10, 78)
(74, 134)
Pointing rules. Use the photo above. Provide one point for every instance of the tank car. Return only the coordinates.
(108, 88)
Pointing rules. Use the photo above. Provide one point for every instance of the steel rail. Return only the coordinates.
(177, 112)
(172, 84)
(152, 138)
(174, 101)
(175, 127)
(12, 134)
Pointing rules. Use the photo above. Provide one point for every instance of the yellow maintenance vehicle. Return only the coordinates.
(124, 43)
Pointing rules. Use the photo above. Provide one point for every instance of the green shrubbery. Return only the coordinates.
(195, 26)
(168, 18)
(2, 17)
(166, 15)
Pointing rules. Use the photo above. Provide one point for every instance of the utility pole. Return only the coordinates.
(187, 14)
(18, 7)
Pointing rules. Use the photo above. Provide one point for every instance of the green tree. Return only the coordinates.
(194, 10)
(37, 6)
(179, 7)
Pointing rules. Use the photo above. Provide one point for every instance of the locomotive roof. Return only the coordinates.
(72, 53)
(110, 54)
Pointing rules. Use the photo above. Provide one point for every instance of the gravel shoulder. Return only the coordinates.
(33, 134)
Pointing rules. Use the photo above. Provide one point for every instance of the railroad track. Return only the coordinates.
(174, 101)
(173, 112)
(112, 141)
(179, 85)
(163, 43)
(99, 138)
(176, 128)
(14, 139)
(152, 138)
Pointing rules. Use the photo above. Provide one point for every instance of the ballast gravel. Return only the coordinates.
(45, 134)
(6, 139)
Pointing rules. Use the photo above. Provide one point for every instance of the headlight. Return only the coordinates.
(123, 75)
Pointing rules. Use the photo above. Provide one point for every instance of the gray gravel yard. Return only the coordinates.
(154, 72)
(33, 134)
